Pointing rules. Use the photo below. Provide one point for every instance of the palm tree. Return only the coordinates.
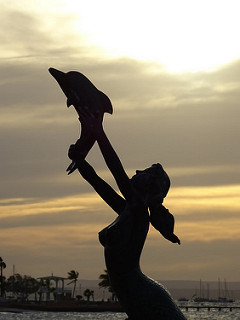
(73, 275)
(105, 283)
(2, 266)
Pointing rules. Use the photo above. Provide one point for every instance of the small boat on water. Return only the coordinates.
(223, 294)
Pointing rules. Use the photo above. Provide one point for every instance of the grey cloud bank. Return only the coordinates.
(195, 125)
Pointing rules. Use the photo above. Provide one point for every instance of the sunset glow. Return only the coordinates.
(181, 35)
(171, 70)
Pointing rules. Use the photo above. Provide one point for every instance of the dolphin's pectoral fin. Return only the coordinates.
(69, 102)
(106, 103)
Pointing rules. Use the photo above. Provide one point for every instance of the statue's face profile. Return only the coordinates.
(153, 180)
(163, 183)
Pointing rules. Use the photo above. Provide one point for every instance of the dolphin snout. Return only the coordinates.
(57, 74)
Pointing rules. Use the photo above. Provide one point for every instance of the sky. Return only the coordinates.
(172, 71)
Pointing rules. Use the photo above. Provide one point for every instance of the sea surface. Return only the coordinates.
(191, 314)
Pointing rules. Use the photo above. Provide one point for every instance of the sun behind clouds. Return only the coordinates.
(181, 35)
(186, 35)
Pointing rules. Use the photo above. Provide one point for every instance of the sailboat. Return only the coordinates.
(223, 294)
(201, 297)
(223, 297)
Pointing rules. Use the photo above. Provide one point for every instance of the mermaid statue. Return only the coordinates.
(139, 204)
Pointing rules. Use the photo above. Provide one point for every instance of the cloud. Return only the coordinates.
(202, 213)
(185, 132)
(34, 207)
(188, 122)
(64, 233)
(28, 33)
(196, 260)
(205, 214)
(40, 251)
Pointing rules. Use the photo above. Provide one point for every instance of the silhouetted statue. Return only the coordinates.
(141, 203)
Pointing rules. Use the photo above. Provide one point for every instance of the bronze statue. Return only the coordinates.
(140, 204)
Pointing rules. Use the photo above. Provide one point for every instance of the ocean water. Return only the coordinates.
(192, 314)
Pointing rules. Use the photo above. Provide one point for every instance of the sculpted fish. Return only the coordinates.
(82, 94)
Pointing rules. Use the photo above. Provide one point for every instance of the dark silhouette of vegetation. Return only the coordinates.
(88, 294)
(79, 297)
(105, 283)
(2, 278)
(73, 275)
(22, 286)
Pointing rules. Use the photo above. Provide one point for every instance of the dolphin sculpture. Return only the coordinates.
(82, 94)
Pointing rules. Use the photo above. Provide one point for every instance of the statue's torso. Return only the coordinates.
(141, 297)
(124, 239)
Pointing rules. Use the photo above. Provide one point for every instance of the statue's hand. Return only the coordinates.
(74, 152)
(91, 121)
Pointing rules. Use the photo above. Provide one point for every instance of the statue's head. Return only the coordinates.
(153, 180)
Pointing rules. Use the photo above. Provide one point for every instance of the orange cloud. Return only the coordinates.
(206, 213)
(21, 206)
